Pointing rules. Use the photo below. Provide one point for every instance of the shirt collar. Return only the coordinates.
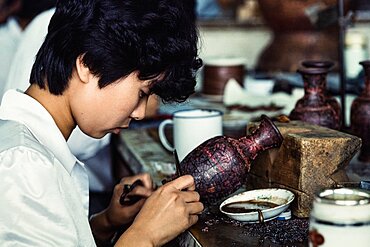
(22, 108)
(14, 26)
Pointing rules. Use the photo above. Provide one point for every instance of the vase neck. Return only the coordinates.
(248, 147)
(264, 137)
(314, 85)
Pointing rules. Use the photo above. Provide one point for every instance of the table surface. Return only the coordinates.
(142, 151)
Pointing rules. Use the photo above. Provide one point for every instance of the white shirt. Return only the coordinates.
(44, 188)
(10, 33)
(94, 152)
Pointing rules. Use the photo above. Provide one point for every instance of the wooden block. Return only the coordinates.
(311, 157)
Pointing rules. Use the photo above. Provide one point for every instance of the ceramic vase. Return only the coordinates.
(360, 115)
(333, 102)
(313, 107)
(220, 165)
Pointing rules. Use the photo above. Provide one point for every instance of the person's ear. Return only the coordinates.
(83, 71)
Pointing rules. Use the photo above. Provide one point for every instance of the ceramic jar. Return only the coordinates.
(218, 71)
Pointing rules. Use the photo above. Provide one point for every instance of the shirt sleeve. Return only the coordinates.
(32, 209)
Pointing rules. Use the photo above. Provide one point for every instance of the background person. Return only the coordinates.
(15, 15)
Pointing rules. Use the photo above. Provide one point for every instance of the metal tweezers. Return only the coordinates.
(126, 199)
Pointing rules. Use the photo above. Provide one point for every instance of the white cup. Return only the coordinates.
(340, 217)
(190, 129)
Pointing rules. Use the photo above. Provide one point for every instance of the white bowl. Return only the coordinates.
(254, 199)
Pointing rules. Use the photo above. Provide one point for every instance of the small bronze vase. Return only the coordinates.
(333, 102)
(313, 107)
(220, 165)
(360, 115)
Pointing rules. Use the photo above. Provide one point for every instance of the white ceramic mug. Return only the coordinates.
(340, 217)
(190, 129)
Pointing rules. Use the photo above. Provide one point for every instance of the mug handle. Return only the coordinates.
(162, 136)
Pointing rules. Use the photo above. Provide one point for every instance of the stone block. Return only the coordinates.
(311, 157)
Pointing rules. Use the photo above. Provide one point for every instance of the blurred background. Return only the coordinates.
(275, 36)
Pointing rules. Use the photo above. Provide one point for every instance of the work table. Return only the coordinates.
(142, 152)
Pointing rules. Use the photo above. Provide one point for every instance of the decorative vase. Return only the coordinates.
(333, 102)
(313, 107)
(220, 165)
(360, 115)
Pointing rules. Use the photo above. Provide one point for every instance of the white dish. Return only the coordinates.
(257, 199)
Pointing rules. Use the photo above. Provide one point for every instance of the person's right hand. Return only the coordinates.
(170, 210)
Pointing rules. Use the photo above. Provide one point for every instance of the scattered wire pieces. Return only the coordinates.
(282, 232)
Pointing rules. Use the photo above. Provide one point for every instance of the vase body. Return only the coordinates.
(220, 165)
(360, 115)
(333, 102)
(313, 107)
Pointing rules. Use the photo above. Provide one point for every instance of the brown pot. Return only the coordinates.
(296, 34)
(292, 15)
(217, 72)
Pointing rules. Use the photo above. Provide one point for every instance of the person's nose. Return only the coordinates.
(139, 112)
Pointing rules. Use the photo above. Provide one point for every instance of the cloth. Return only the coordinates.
(234, 94)
(91, 151)
(44, 188)
(10, 34)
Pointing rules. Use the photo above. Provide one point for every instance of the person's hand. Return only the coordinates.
(170, 210)
(105, 223)
(118, 214)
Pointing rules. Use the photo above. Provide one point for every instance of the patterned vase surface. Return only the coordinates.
(220, 165)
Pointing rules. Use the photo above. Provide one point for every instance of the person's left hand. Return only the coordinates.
(104, 224)
(118, 214)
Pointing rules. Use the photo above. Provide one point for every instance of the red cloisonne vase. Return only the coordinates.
(333, 102)
(360, 115)
(220, 165)
(313, 107)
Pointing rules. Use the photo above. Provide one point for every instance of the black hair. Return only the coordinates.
(157, 38)
(31, 8)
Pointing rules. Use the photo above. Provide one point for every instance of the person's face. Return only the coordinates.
(109, 109)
